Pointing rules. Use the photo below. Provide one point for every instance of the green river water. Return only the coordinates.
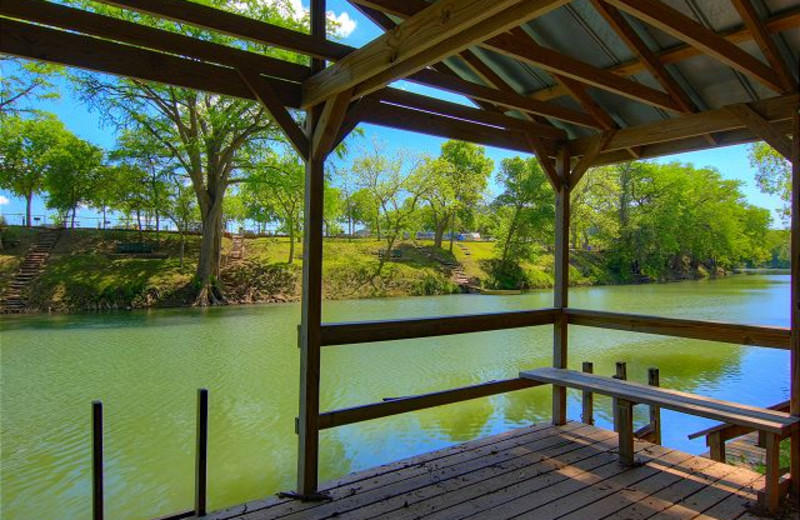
(146, 367)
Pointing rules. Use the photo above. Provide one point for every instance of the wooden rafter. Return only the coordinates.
(509, 99)
(235, 25)
(440, 30)
(563, 65)
(490, 119)
(680, 26)
(262, 91)
(70, 18)
(765, 42)
(762, 128)
(51, 45)
(575, 89)
(777, 23)
(552, 61)
(546, 161)
(628, 35)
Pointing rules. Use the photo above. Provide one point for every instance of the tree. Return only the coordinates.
(145, 174)
(27, 147)
(458, 179)
(773, 174)
(22, 81)
(75, 166)
(526, 208)
(182, 210)
(395, 186)
(275, 190)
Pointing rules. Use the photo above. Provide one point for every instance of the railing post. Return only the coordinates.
(97, 460)
(622, 374)
(587, 415)
(653, 379)
(201, 454)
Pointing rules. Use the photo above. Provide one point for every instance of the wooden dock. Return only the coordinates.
(540, 472)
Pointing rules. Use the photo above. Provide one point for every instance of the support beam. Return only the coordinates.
(262, 90)
(330, 121)
(794, 377)
(545, 161)
(440, 30)
(766, 43)
(310, 340)
(693, 125)
(762, 128)
(680, 26)
(599, 143)
(561, 289)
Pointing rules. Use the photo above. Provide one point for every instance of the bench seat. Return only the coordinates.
(776, 425)
(762, 419)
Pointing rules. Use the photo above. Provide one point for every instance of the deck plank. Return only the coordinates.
(569, 472)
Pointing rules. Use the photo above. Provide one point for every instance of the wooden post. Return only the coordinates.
(623, 416)
(201, 454)
(311, 319)
(561, 290)
(587, 415)
(653, 379)
(622, 374)
(716, 446)
(771, 497)
(794, 378)
(97, 461)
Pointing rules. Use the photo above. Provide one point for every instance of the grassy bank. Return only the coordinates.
(86, 273)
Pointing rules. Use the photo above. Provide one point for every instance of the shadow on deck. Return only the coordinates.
(541, 472)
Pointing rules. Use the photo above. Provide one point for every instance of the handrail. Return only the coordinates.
(344, 416)
(772, 337)
(389, 330)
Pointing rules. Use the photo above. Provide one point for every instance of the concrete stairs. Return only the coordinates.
(15, 299)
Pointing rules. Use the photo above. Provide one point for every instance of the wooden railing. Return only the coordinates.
(370, 331)
(773, 337)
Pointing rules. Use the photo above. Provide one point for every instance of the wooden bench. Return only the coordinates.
(775, 425)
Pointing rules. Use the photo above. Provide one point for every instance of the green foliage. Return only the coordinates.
(22, 83)
(524, 212)
(773, 173)
(74, 175)
(29, 148)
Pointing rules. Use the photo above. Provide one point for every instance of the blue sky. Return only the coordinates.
(732, 162)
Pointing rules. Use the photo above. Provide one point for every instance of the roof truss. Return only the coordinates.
(75, 37)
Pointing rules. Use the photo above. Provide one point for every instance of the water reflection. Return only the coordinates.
(147, 366)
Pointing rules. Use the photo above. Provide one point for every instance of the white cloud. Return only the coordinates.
(345, 25)
(4, 201)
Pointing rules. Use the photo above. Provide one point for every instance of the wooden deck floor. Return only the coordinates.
(542, 472)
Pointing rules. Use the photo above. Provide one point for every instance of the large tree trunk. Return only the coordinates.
(290, 225)
(439, 227)
(28, 204)
(208, 265)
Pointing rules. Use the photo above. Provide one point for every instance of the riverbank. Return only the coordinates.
(87, 271)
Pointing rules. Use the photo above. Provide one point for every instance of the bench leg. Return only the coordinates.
(771, 497)
(623, 415)
(717, 447)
